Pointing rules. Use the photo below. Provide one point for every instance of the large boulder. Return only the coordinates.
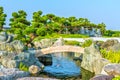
(36, 78)
(111, 45)
(28, 59)
(92, 60)
(112, 69)
(12, 74)
(59, 42)
(18, 46)
(44, 43)
(5, 38)
(10, 60)
(102, 77)
(7, 47)
(13, 47)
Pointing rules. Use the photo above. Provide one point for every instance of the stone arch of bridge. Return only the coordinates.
(64, 48)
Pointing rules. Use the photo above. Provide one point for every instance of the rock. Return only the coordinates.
(102, 77)
(112, 69)
(59, 42)
(8, 63)
(44, 43)
(13, 47)
(92, 60)
(36, 78)
(33, 69)
(7, 47)
(18, 46)
(5, 38)
(111, 45)
(26, 58)
(12, 74)
(1, 66)
(6, 55)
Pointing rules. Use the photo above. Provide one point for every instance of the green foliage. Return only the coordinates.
(20, 26)
(54, 35)
(23, 67)
(112, 56)
(18, 20)
(47, 26)
(110, 33)
(41, 31)
(87, 43)
(29, 30)
(116, 78)
(102, 27)
(2, 18)
(72, 43)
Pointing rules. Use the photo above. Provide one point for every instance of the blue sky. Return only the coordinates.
(97, 11)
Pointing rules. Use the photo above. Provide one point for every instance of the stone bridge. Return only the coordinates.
(64, 48)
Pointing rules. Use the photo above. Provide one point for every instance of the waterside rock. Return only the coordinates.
(3, 37)
(92, 60)
(13, 47)
(18, 46)
(28, 59)
(112, 44)
(112, 69)
(13, 61)
(36, 78)
(102, 77)
(33, 69)
(12, 74)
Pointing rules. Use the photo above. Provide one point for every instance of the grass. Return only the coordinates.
(23, 67)
(116, 78)
(55, 35)
(87, 43)
(112, 56)
(72, 43)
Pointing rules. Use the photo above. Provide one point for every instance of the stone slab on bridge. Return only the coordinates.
(64, 48)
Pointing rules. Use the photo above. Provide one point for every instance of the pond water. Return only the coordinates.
(66, 68)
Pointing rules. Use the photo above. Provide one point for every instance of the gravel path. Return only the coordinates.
(93, 38)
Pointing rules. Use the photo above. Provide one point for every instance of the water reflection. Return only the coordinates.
(62, 67)
(66, 68)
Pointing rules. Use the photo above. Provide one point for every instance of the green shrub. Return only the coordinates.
(87, 43)
(116, 78)
(72, 43)
(23, 67)
(112, 56)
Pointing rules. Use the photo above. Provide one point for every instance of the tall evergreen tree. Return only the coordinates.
(19, 21)
(2, 18)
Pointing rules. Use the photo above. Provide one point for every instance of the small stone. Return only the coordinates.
(34, 69)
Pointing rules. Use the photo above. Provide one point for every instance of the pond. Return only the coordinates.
(64, 67)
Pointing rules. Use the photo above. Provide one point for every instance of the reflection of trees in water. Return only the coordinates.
(58, 63)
